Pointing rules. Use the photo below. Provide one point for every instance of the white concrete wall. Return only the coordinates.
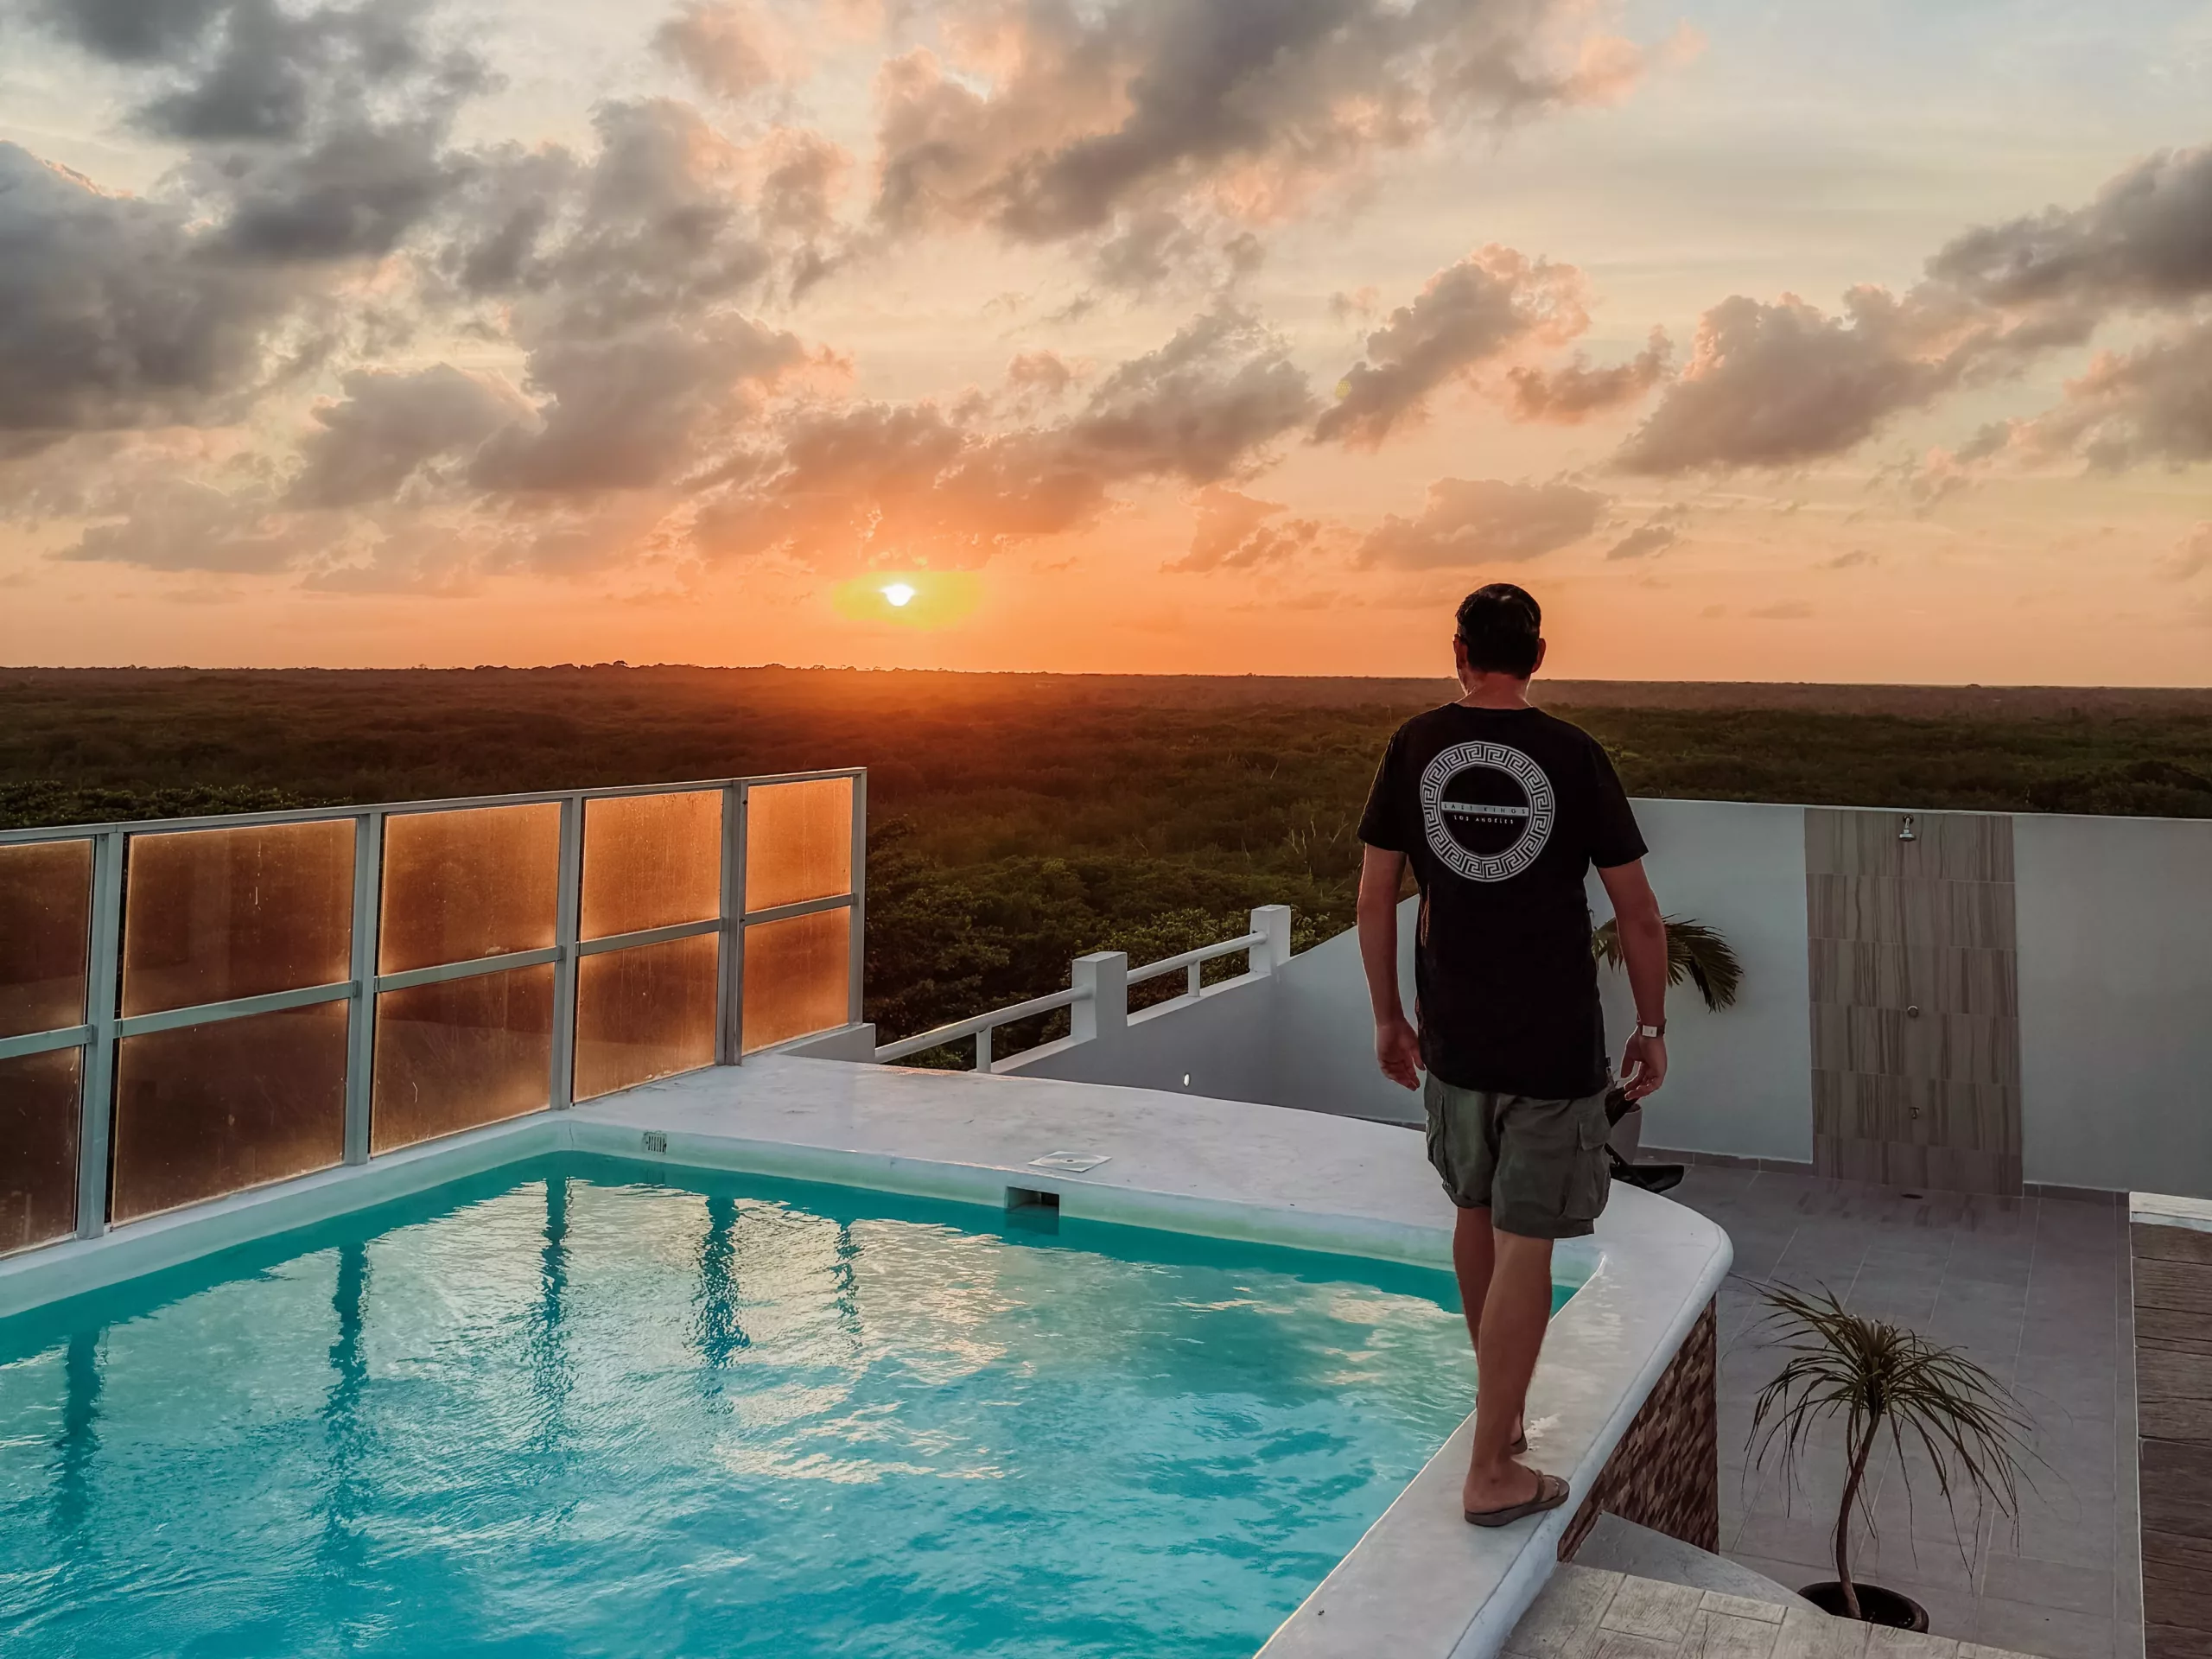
(1739, 1082)
(2115, 923)
(1326, 1057)
(2115, 960)
(1222, 1044)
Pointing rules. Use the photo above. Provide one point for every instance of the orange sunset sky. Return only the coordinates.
(1866, 342)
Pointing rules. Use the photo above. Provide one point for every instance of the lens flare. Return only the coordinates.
(898, 593)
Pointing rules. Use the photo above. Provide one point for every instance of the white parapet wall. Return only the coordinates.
(1739, 1082)
(2116, 924)
(2114, 928)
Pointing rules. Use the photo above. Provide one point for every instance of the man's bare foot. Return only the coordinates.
(1499, 1489)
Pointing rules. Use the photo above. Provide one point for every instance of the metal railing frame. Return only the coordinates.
(105, 1026)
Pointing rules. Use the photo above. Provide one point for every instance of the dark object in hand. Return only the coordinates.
(1652, 1178)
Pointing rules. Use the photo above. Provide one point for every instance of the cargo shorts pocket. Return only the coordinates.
(1590, 1177)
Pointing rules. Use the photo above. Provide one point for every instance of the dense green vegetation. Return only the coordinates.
(1017, 820)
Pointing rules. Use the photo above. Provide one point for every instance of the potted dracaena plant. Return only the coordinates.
(1696, 953)
(1884, 1381)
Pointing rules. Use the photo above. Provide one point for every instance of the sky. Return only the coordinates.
(1760, 342)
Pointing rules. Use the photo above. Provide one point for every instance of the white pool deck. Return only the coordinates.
(1421, 1584)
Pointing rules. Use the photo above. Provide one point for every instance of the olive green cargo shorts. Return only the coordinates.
(1539, 1166)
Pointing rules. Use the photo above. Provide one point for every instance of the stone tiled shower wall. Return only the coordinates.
(2173, 1392)
(1665, 1474)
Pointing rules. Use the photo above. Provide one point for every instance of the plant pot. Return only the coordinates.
(1876, 1605)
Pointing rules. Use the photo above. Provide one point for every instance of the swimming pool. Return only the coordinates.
(578, 1407)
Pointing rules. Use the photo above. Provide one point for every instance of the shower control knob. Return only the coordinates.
(1913, 1012)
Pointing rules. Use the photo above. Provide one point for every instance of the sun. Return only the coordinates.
(919, 599)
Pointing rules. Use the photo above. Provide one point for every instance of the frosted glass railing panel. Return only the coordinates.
(651, 861)
(46, 914)
(460, 1053)
(458, 886)
(203, 1111)
(798, 842)
(644, 1014)
(38, 1146)
(193, 1007)
(211, 915)
(797, 976)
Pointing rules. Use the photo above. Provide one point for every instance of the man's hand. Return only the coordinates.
(1397, 1051)
(1644, 1066)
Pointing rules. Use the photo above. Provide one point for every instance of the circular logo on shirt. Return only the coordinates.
(1489, 810)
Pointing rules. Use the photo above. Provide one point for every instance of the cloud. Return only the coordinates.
(803, 177)
(390, 427)
(912, 482)
(1783, 384)
(731, 49)
(2145, 238)
(311, 135)
(1198, 407)
(357, 194)
(1041, 372)
(1232, 533)
(2192, 557)
(1779, 384)
(312, 139)
(251, 71)
(1466, 315)
(1569, 396)
(180, 525)
(1787, 610)
(627, 278)
(1644, 541)
(1048, 122)
(115, 313)
(1475, 521)
(2150, 404)
(836, 488)
(636, 409)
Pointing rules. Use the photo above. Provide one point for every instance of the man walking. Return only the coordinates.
(1500, 809)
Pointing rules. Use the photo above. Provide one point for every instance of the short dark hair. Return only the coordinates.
(1500, 625)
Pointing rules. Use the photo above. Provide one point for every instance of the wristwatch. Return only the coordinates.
(1659, 1030)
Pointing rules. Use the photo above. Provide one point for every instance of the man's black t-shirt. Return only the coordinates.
(1501, 811)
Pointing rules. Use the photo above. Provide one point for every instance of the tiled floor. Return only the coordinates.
(2036, 1289)
(1583, 1614)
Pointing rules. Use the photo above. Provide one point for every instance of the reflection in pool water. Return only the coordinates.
(568, 1408)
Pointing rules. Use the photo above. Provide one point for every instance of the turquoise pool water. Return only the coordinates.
(571, 1409)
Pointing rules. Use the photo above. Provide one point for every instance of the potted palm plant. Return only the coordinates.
(1694, 952)
(1882, 1380)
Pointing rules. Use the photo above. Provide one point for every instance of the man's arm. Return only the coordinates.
(1397, 1048)
(1643, 947)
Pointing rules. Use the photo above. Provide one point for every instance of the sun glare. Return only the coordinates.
(924, 600)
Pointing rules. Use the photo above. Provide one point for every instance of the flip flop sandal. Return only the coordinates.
(1551, 1492)
(1520, 1446)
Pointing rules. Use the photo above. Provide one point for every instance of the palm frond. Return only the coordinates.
(1694, 952)
(1884, 1381)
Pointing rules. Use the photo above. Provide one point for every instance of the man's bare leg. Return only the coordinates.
(1515, 1308)
(1471, 1256)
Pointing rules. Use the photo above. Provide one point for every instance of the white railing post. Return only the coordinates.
(96, 1124)
(1274, 920)
(361, 1006)
(984, 1049)
(1104, 1010)
(567, 924)
(729, 961)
